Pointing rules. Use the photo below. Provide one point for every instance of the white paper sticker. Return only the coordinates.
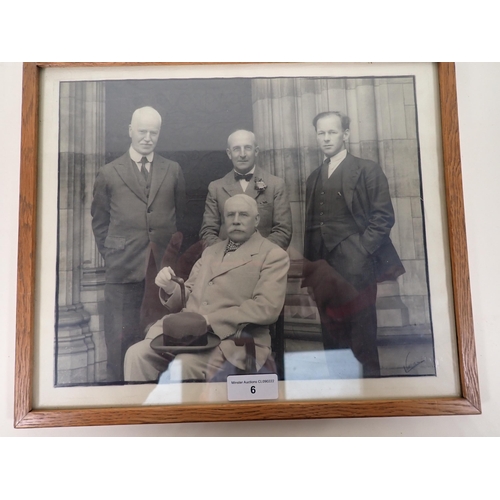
(252, 387)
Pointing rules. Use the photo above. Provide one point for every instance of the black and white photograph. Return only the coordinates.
(220, 226)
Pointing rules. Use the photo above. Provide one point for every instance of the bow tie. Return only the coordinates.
(240, 177)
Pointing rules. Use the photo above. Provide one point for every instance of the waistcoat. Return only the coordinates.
(331, 216)
(142, 181)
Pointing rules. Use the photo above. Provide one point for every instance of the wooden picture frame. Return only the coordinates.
(26, 416)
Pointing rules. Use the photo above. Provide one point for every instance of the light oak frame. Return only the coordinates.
(25, 416)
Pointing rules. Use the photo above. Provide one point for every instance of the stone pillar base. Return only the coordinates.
(74, 347)
(391, 310)
(92, 297)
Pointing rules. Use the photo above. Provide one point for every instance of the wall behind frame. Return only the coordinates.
(479, 113)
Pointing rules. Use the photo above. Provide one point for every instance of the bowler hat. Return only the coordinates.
(184, 332)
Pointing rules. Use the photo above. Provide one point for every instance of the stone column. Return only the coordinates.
(75, 346)
(399, 157)
(283, 110)
(93, 272)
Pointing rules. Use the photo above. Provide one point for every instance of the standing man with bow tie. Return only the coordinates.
(268, 191)
(349, 216)
(138, 200)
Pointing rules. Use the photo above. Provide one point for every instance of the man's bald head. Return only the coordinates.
(242, 150)
(241, 217)
(241, 134)
(144, 129)
(145, 113)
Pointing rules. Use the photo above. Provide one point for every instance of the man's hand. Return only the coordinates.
(164, 280)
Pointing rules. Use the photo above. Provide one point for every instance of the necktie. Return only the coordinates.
(231, 247)
(240, 177)
(326, 163)
(144, 170)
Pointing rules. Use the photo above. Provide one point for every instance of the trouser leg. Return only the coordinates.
(143, 364)
(121, 324)
(363, 334)
(358, 327)
(334, 334)
(201, 366)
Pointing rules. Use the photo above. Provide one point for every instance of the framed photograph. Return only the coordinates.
(217, 242)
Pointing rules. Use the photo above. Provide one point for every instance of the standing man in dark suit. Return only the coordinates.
(349, 216)
(268, 191)
(138, 201)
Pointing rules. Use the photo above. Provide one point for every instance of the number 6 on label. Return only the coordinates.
(244, 387)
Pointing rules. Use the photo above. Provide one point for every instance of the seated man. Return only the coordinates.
(236, 282)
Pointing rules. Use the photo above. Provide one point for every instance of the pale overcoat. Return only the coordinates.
(247, 286)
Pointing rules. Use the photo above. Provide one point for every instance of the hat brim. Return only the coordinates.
(157, 345)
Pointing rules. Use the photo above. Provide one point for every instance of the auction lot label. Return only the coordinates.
(252, 387)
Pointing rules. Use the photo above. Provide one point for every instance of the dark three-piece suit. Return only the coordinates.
(349, 216)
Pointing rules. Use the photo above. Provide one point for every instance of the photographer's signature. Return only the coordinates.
(409, 367)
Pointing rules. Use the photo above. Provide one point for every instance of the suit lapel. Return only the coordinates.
(160, 168)
(124, 168)
(231, 185)
(258, 174)
(235, 259)
(314, 182)
(350, 175)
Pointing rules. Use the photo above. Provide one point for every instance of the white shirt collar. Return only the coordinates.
(335, 161)
(338, 158)
(249, 172)
(137, 157)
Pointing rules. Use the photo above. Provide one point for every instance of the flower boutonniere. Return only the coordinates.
(260, 185)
